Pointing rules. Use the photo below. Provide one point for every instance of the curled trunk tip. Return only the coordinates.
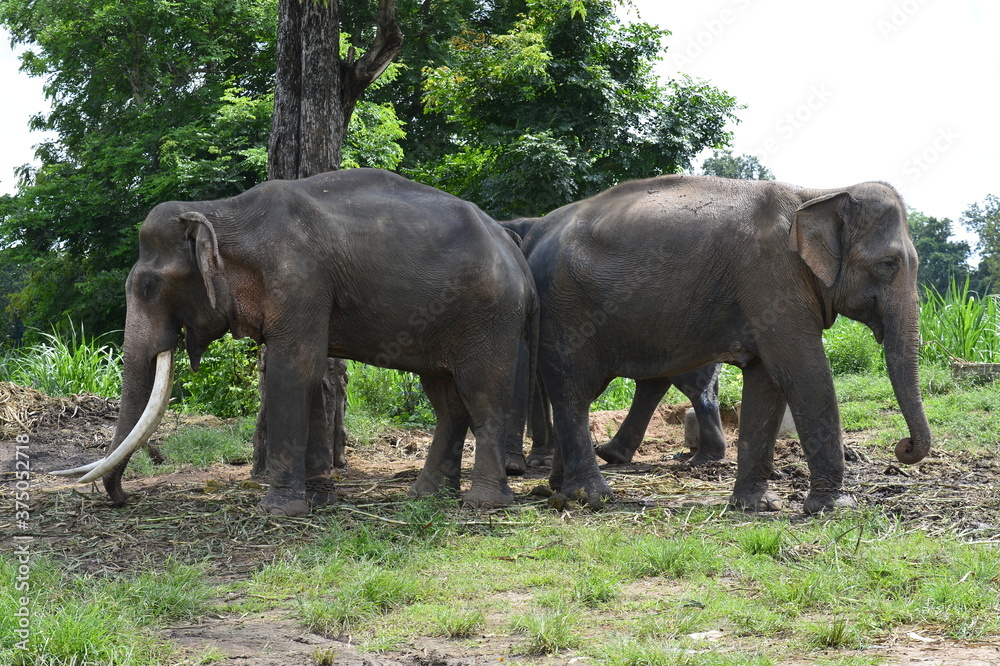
(909, 452)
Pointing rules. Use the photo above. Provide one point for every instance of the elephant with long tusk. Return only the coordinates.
(360, 264)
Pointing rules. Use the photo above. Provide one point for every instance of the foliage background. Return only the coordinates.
(518, 105)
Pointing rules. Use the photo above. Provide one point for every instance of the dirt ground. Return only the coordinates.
(208, 514)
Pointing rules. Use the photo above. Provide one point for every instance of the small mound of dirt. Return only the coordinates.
(23, 409)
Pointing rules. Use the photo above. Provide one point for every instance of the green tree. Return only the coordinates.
(318, 85)
(150, 101)
(941, 259)
(724, 164)
(121, 78)
(984, 219)
(557, 102)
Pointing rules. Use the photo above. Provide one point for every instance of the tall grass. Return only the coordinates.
(960, 324)
(61, 365)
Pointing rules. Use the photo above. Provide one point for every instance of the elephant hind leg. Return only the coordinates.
(443, 468)
(514, 462)
(574, 465)
(488, 394)
(648, 394)
(541, 430)
(701, 387)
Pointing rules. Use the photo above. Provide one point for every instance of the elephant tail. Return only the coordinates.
(532, 327)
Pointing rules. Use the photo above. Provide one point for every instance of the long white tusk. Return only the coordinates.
(77, 471)
(144, 427)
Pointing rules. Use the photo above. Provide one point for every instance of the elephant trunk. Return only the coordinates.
(145, 394)
(902, 346)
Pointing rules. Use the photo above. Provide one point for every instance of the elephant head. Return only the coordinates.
(177, 283)
(857, 244)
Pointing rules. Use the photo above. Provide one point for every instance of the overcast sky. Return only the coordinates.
(904, 91)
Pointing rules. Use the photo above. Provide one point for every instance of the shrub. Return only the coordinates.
(852, 349)
(959, 324)
(226, 383)
(391, 394)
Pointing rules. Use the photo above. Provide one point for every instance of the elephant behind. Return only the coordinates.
(360, 264)
(656, 277)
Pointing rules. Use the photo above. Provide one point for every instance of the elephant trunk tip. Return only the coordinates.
(910, 452)
(113, 486)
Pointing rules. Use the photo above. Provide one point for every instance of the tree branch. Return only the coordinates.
(356, 76)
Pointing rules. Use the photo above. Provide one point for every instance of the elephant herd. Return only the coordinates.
(659, 280)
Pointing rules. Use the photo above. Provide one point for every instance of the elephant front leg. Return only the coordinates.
(294, 404)
(763, 407)
(817, 421)
(320, 489)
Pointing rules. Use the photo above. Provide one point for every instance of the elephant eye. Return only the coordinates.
(149, 285)
(887, 267)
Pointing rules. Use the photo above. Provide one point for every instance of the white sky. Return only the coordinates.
(23, 99)
(904, 91)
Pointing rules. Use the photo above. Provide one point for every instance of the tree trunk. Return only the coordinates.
(315, 95)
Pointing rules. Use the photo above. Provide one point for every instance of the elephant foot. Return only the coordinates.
(818, 502)
(540, 459)
(514, 464)
(281, 504)
(480, 497)
(590, 486)
(703, 457)
(614, 453)
(427, 485)
(765, 500)
(320, 491)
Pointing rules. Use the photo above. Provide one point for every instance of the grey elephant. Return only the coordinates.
(701, 386)
(656, 277)
(360, 264)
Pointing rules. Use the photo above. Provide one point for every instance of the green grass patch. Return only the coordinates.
(77, 619)
(547, 632)
(231, 445)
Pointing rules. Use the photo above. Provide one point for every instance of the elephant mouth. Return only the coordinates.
(877, 329)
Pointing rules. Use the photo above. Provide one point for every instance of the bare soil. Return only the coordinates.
(208, 514)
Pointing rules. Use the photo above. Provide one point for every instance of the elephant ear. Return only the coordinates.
(205, 246)
(818, 233)
(513, 236)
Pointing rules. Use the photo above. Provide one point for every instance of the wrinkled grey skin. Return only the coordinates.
(360, 264)
(701, 386)
(656, 277)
